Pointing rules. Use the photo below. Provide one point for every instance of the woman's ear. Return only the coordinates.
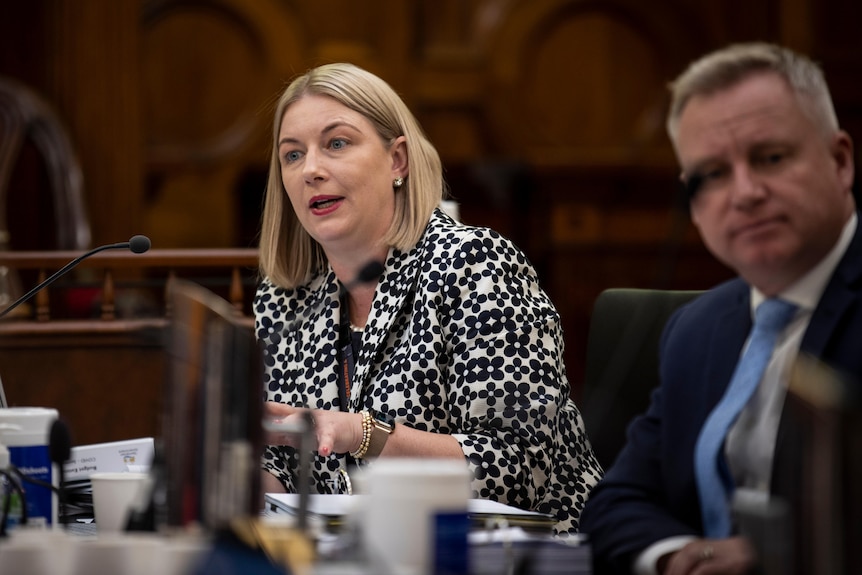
(400, 161)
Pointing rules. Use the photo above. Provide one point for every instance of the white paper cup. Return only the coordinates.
(401, 499)
(113, 497)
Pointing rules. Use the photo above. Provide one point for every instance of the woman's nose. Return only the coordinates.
(312, 168)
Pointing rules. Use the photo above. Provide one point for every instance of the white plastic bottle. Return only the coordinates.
(8, 491)
(25, 432)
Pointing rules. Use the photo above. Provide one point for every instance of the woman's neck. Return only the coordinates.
(360, 294)
(359, 301)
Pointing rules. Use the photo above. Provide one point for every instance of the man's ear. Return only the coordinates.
(842, 153)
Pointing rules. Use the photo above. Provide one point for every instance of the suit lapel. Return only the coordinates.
(840, 294)
(726, 346)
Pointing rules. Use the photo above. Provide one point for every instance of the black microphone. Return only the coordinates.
(368, 273)
(138, 245)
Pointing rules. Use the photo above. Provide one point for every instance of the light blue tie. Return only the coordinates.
(713, 477)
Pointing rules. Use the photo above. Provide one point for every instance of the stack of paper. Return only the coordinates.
(334, 508)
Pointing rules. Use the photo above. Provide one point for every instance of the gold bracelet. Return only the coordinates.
(366, 436)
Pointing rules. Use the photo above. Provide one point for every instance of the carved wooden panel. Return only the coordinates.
(93, 79)
(210, 72)
(548, 113)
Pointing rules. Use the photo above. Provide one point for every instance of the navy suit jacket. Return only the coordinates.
(649, 493)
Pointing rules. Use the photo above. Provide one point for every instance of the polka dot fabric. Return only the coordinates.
(461, 340)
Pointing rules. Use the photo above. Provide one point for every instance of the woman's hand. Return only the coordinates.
(334, 431)
(341, 432)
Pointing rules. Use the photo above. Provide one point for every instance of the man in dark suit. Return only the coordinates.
(769, 176)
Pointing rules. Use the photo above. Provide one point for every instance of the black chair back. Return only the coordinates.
(622, 361)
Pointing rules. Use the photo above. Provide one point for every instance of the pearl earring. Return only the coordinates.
(397, 182)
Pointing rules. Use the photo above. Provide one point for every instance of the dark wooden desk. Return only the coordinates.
(104, 378)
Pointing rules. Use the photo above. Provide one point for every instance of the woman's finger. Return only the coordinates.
(273, 409)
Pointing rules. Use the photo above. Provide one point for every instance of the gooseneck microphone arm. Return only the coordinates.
(138, 245)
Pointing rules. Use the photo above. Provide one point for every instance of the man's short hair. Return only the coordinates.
(728, 66)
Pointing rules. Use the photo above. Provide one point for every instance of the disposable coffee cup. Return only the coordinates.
(114, 496)
(413, 516)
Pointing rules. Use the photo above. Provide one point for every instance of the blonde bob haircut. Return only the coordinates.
(726, 67)
(289, 256)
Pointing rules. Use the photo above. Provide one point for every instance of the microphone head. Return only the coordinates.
(370, 272)
(139, 244)
(59, 442)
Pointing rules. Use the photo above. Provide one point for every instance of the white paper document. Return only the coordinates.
(335, 507)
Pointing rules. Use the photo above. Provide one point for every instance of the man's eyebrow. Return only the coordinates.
(771, 144)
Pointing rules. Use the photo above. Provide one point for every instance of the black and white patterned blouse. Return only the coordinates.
(460, 340)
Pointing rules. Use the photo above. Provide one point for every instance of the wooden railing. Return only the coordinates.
(104, 371)
(239, 264)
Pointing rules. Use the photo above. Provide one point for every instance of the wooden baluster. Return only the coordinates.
(108, 308)
(169, 285)
(43, 307)
(236, 295)
(10, 285)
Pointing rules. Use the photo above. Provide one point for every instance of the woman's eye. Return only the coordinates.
(337, 144)
(292, 156)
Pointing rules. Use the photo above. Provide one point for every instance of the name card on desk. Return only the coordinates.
(114, 457)
(133, 455)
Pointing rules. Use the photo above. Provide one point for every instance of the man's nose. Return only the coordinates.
(747, 187)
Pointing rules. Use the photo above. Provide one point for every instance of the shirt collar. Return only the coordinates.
(806, 291)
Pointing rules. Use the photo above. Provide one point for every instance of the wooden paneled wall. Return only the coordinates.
(548, 113)
(105, 369)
